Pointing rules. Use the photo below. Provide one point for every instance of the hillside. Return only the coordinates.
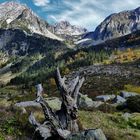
(114, 26)
(64, 81)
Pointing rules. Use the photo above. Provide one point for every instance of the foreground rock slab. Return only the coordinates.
(105, 98)
(92, 134)
(126, 94)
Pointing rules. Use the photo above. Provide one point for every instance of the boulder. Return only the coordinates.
(118, 99)
(126, 94)
(92, 134)
(105, 98)
(27, 104)
(97, 104)
(54, 102)
(87, 103)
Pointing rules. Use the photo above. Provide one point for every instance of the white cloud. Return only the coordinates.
(86, 13)
(41, 2)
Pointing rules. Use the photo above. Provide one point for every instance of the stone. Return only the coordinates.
(118, 99)
(92, 134)
(105, 98)
(84, 101)
(54, 102)
(87, 103)
(126, 94)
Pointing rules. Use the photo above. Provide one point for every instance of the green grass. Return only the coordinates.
(114, 125)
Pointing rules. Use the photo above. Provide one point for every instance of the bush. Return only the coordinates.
(133, 103)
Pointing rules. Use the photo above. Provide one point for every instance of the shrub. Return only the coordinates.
(133, 103)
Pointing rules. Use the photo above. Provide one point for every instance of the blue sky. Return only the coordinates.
(85, 13)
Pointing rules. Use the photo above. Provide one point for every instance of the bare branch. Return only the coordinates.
(61, 82)
(39, 90)
(77, 88)
(72, 84)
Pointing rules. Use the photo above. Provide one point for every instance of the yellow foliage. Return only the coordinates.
(132, 88)
(81, 55)
(126, 56)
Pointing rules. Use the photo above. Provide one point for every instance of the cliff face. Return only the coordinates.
(116, 25)
(65, 28)
(16, 16)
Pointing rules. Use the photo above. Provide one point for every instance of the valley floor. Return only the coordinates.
(100, 79)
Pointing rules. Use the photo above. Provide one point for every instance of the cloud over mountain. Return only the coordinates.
(84, 13)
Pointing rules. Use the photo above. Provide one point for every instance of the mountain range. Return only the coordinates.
(116, 25)
(25, 36)
(22, 17)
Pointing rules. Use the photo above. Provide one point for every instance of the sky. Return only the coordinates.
(84, 13)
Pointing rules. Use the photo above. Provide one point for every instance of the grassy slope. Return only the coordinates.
(114, 125)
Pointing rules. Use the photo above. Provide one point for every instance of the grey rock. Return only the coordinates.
(54, 102)
(108, 70)
(84, 101)
(27, 103)
(105, 98)
(126, 94)
(92, 134)
(65, 28)
(118, 99)
(97, 104)
(24, 18)
(87, 103)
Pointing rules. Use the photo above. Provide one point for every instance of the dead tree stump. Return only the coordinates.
(62, 123)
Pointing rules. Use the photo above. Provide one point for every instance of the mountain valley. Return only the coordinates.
(31, 49)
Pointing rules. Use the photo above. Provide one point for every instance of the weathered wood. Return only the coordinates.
(27, 104)
(63, 122)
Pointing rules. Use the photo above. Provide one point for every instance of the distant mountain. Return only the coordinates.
(65, 28)
(116, 25)
(24, 40)
(15, 42)
(17, 16)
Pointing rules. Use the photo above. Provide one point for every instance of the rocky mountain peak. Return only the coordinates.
(18, 16)
(9, 11)
(65, 28)
(117, 25)
(63, 24)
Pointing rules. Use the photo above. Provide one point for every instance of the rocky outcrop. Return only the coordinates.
(105, 98)
(107, 70)
(54, 102)
(126, 94)
(65, 28)
(93, 134)
(87, 103)
(17, 16)
(119, 100)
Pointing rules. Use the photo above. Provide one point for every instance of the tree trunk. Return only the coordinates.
(63, 122)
